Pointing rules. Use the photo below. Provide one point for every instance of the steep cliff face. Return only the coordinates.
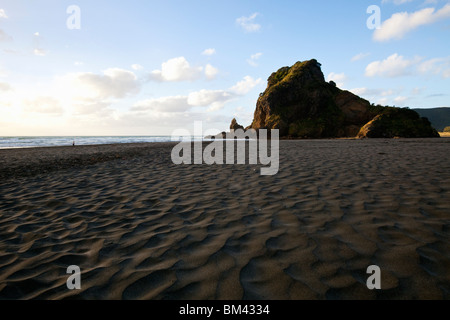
(301, 104)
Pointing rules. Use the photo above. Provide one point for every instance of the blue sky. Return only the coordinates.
(150, 67)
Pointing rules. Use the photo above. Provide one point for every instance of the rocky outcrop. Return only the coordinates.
(301, 104)
(396, 122)
(235, 126)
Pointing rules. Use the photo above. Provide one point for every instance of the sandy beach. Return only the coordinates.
(140, 227)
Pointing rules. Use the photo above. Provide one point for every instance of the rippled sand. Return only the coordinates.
(140, 227)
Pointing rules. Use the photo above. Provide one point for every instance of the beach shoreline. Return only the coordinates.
(140, 227)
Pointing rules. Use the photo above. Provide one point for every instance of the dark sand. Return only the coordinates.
(141, 227)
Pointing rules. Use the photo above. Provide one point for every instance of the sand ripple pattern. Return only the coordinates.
(143, 228)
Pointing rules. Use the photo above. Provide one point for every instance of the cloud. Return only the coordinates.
(435, 66)
(211, 72)
(393, 66)
(3, 14)
(164, 104)
(39, 52)
(4, 87)
(176, 69)
(214, 99)
(245, 86)
(204, 98)
(396, 66)
(359, 91)
(396, 2)
(360, 56)
(400, 100)
(397, 26)
(43, 104)
(339, 78)
(38, 40)
(92, 107)
(4, 37)
(446, 73)
(373, 92)
(136, 67)
(436, 95)
(417, 91)
(113, 83)
(209, 52)
(179, 69)
(253, 59)
(248, 24)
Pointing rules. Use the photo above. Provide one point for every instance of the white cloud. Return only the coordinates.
(4, 87)
(396, 66)
(245, 86)
(136, 67)
(446, 73)
(43, 104)
(393, 66)
(435, 66)
(179, 69)
(38, 47)
(339, 78)
(113, 83)
(374, 92)
(4, 37)
(382, 101)
(39, 52)
(360, 56)
(209, 52)
(253, 59)
(214, 99)
(386, 93)
(211, 72)
(396, 2)
(417, 91)
(3, 14)
(176, 69)
(204, 98)
(400, 100)
(248, 24)
(164, 104)
(359, 91)
(92, 107)
(397, 26)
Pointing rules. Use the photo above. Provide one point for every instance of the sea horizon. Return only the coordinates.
(17, 142)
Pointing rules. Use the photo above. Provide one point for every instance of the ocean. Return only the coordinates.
(32, 142)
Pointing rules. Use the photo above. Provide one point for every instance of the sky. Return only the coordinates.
(149, 67)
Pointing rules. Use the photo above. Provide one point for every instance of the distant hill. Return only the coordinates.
(439, 117)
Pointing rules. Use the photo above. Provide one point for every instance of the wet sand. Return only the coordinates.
(140, 227)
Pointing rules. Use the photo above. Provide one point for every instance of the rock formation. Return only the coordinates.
(301, 104)
(235, 126)
(397, 122)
